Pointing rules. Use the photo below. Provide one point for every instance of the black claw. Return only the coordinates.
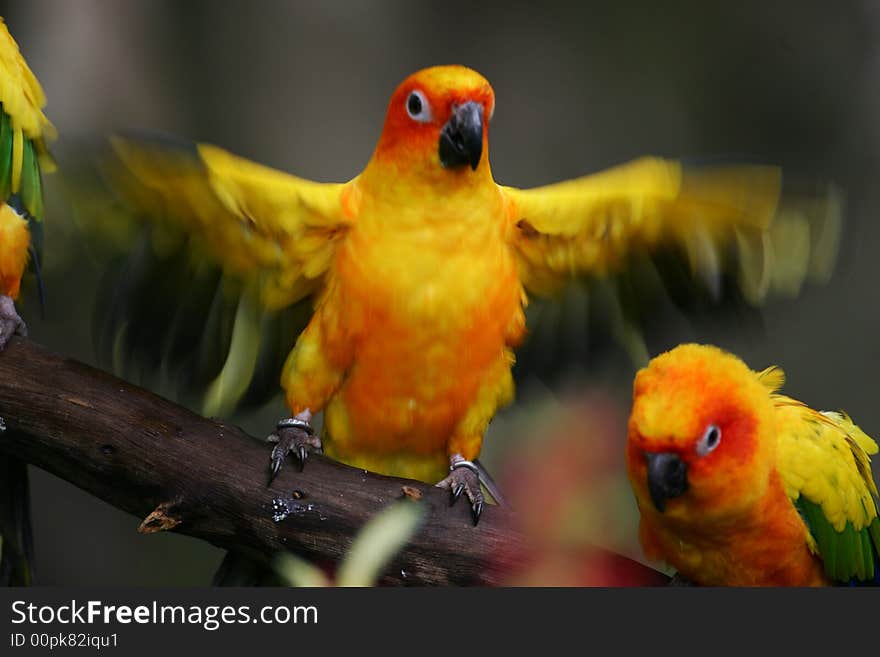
(303, 454)
(476, 511)
(277, 462)
(456, 493)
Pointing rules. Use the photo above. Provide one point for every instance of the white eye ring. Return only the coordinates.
(710, 440)
(418, 107)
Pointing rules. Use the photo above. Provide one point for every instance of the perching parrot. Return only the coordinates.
(739, 485)
(24, 131)
(413, 277)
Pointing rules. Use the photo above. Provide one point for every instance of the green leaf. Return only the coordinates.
(377, 543)
(299, 572)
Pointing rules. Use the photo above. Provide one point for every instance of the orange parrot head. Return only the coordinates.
(699, 436)
(437, 124)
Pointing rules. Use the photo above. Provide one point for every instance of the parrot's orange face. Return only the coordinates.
(698, 435)
(437, 123)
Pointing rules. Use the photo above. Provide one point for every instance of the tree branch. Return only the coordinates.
(184, 473)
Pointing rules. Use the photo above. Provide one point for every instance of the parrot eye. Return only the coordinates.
(710, 440)
(418, 108)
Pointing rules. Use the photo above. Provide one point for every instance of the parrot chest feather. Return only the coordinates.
(14, 242)
(766, 547)
(429, 314)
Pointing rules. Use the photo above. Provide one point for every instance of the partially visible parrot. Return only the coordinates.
(416, 273)
(739, 485)
(24, 131)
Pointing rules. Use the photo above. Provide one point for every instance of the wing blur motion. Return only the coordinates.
(653, 228)
(591, 225)
(255, 222)
(220, 281)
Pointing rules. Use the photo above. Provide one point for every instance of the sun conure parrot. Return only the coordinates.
(740, 485)
(24, 130)
(418, 270)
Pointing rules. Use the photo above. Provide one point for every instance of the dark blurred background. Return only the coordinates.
(303, 86)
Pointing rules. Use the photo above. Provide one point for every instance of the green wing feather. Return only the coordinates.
(22, 122)
(30, 184)
(848, 554)
(5, 154)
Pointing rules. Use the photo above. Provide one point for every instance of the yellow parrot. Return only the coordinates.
(419, 268)
(24, 131)
(739, 485)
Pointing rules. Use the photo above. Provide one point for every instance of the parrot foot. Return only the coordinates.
(464, 477)
(10, 322)
(294, 434)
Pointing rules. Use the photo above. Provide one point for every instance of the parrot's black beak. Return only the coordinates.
(667, 477)
(461, 139)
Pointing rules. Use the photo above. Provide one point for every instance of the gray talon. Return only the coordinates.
(292, 435)
(10, 322)
(464, 479)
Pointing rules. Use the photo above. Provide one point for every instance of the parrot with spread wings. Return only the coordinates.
(24, 131)
(408, 285)
(739, 485)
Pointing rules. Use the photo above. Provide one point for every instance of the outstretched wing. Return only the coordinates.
(231, 253)
(824, 462)
(258, 224)
(655, 227)
(591, 225)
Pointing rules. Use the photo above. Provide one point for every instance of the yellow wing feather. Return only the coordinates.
(270, 228)
(825, 457)
(590, 225)
(23, 100)
(272, 234)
